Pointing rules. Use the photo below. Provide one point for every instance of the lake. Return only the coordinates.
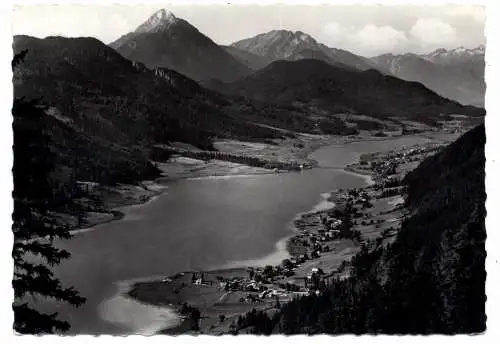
(196, 224)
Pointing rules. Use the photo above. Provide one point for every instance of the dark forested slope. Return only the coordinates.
(437, 276)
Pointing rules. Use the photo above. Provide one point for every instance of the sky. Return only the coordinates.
(361, 29)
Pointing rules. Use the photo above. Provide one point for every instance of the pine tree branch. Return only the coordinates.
(46, 250)
(29, 224)
(29, 321)
(46, 286)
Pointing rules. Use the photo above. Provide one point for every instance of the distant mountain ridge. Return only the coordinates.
(459, 54)
(456, 74)
(288, 45)
(170, 42)
(277, 44)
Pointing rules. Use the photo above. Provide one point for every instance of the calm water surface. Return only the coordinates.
(198, 224)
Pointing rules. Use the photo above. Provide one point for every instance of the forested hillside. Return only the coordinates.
(431, 279)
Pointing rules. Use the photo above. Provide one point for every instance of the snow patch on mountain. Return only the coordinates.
(460, 53)
(160, 20)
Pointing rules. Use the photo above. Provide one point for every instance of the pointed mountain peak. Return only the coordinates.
(159, 21)
(287, 34)
(164, 14)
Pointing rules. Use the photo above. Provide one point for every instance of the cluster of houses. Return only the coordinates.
(257, 288)
(384, 168)
(87, 187)
(388, 164)
(198, 279)
(239, 284)
(313, 281)
(316, 242)
(453, 126)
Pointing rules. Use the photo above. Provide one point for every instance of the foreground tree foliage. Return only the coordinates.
(36, 197)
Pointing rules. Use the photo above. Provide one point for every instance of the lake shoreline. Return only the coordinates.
(149, 292)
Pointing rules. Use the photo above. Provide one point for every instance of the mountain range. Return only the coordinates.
(170, 42)
(108, 104)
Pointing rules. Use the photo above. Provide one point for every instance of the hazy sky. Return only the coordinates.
(364, 30)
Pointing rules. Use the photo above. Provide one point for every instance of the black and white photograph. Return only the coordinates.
(229, 169)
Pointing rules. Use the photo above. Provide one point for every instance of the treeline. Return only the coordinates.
(163, 154)
(254, 322)
(432, 278)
